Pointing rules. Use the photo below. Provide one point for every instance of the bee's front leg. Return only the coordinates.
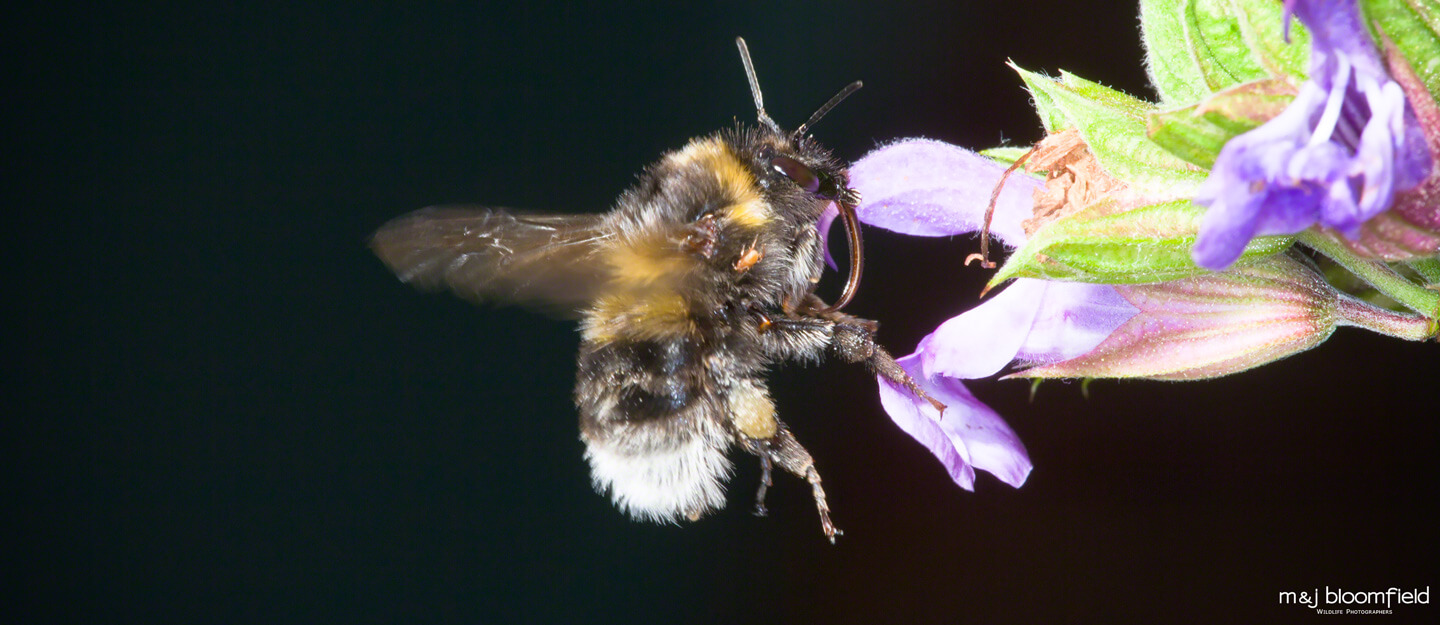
(855, 342)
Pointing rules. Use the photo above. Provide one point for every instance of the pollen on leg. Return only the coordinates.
(752, 412)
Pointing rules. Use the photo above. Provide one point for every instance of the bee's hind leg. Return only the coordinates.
(765, 465)
(782, 449)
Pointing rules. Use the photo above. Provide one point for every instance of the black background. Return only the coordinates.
(229, 411)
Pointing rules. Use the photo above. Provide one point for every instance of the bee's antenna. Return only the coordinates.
(815, 119)
(754, 84)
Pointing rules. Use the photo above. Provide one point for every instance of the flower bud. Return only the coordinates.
(1211, 325)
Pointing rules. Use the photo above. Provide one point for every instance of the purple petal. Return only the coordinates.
(1034, 321)
(1335, 157)
(1073, 319)
(1413, 164)
(981, 341)
(1243, 202)
(1336, 29)
(928, 188)
(970, 435)
(827, 218)
(1375, 156)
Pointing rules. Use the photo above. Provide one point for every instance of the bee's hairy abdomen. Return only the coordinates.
(654, 427)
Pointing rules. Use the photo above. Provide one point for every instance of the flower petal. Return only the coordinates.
(1072, 320)
(969, 436)
(827, 219)
(923, 187)
(1035, 321)
(981, 341)
(1336, 29)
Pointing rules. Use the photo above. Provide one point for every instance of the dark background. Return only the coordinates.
(229, 411)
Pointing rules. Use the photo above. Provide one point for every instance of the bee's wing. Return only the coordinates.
(491, 255)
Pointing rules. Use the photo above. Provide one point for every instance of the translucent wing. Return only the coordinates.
(490, 255)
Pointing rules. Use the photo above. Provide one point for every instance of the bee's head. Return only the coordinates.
(813, 171)
(822, 179)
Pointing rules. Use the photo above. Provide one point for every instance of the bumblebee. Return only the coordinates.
(701, 277)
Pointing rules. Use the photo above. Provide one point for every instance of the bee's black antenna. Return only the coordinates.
(754, 84)
(815, 119)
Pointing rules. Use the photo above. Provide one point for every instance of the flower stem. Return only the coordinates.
(1382, 277)
(1388, 322)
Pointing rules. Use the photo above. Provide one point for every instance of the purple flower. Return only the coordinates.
(1336, 156)
(1032, 321)
(929, 188)
(970, 435)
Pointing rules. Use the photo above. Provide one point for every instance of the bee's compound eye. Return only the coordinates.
(796, 171)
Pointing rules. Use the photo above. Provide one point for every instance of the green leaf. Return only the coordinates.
(1050, 117)
(1118, 101)
(1187, 134)
(1414, 27)
(1113, 126)
(1169, 58)
(1263, 27)
(1196, 133)
(1220, 46)
(1143, 245)
(1196, 47)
